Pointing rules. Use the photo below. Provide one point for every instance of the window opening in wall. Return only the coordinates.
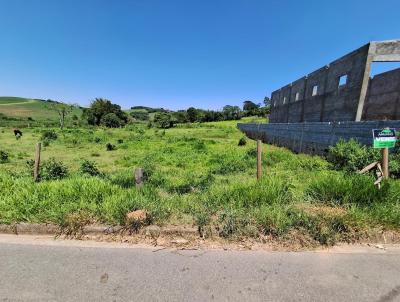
(297, 96)
(381, 67)
(315, 90)
(284, 100)
(342, 81)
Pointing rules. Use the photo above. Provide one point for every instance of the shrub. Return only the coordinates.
(3, 156)
(120, 141)
(46, 142)
(90, 168)
(242, 141)
(111, 120)
(351, 155)
(110, 147)
(164, 120)
(53, 170)
(49, 135)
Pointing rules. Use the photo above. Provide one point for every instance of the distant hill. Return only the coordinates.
(148, 109)
(25, 109)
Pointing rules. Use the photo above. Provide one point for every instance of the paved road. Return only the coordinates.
(46, 270)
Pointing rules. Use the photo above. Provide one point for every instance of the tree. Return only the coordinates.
(140, 115)
(180, 116)
(231, 112)
(267, 102)
(192, 114)
(62, 110)
(164, 120)
(111, 120)
(250, 108)
(100, 107)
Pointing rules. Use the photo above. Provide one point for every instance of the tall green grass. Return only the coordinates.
(199, 174)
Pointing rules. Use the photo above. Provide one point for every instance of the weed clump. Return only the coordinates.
(90, 168)
(49, 135)
(242, 141)
(53, 170)
(4, 156)
(110, 147)
(351, 155)
(46, 142)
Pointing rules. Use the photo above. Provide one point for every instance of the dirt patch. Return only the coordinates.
(188, 238)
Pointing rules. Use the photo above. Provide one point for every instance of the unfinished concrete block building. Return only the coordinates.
(341, 96)
(343, 90)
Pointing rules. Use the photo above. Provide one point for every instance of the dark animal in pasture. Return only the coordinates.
(17, 132)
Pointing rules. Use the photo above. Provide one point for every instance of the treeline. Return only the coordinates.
(103, 112)
(167, 119)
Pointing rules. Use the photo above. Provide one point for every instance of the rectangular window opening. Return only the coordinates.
(342, 81)
(284, 100)
(315, 90)
(297, 96)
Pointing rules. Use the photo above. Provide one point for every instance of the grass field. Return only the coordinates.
(196, 174)
(23, 108)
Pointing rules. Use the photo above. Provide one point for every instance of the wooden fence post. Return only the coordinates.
(139, 177)
(385, 162)
(259, 159)
(36, 168)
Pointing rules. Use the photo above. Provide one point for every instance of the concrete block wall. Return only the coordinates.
(314, 138)
(296, 102)
(383, 97)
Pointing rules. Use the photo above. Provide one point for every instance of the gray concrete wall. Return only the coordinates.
(383, 97)
(314, 138)
(333, 102)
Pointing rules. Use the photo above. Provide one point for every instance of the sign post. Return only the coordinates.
(384, 139)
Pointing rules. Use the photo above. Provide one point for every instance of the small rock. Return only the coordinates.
(104, 278)
(180, 241)
(136, 216)
(152, 231)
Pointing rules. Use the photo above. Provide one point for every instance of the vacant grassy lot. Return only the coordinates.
(196, 174)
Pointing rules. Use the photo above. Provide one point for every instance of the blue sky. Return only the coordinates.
(176, 54)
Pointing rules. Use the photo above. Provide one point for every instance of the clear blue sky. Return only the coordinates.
(176, 54)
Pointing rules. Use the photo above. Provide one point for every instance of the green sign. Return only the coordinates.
(384, 138)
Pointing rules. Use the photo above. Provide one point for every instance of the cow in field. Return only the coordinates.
(17, 133)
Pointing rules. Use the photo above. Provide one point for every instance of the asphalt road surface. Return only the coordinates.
(48, 270)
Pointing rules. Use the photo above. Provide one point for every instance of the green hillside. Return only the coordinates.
(16, 110)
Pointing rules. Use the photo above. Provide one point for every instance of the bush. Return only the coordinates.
(49, 135)
(164, 120)
(3, 156)
(110, 147)
(111, 120)
(242, 141)
(351, 155)
(53, 170)
(90, 168)
(46, 142)
(120, 141)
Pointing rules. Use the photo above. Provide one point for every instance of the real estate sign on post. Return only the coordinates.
(384, 138)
